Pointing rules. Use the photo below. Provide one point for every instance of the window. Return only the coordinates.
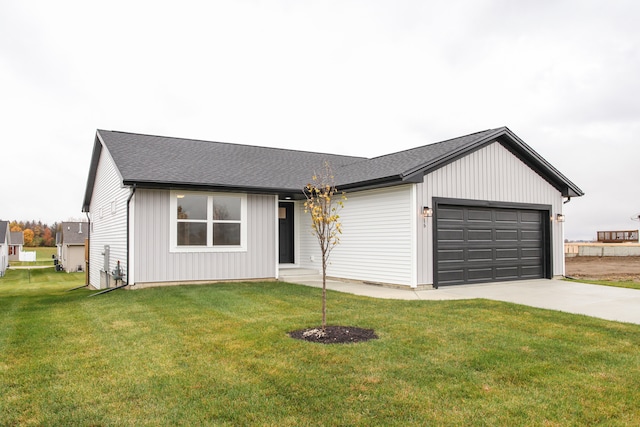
(208, 222)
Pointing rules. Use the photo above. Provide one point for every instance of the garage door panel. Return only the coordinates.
(479, 274)
(531, 253)
(483, 244)
(451, 255)
(447, 277)
(474, 215)
(507, 273)
(532, 271)
(507, 254)
(506, 215)
(530, 217)
(531, 235)
(508, 235)
(480, 254)
(476, 235)
(446, 214)
(450, 235)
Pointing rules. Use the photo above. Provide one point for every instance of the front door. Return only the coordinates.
(285, 222)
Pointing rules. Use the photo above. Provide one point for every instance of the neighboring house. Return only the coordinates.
(16, 242)
(70, 241)
(479, 208)
(4, 246)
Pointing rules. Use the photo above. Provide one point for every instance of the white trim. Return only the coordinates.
(414, 235)
(276, 237)
(296, 236)
(296, 233)
(173, 228)
(132, 241)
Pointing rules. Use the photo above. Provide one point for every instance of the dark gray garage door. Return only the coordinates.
(484, 244)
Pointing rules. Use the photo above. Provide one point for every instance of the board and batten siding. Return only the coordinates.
(156, 264)
(377, 240)
(493, 174)
(108, 213)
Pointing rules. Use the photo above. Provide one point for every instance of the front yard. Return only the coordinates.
(220, 355)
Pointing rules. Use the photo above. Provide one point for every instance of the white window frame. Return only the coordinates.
(173, 223)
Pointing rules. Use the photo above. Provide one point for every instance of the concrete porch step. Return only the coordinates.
(298, 272)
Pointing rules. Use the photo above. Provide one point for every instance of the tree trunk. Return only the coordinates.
(324, 292)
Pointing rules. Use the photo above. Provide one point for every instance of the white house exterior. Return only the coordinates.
(4, 247)
(479, 208)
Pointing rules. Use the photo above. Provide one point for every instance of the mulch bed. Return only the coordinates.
(334, 335)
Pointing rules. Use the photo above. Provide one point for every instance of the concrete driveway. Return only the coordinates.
(605, 302)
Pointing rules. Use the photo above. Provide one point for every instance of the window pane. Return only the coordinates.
(192, 234)
(226, 208)
(192, 207)
(226, 234)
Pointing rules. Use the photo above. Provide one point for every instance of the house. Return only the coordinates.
(16, 242)
(4, 247)
(478, 208)
(70, 241)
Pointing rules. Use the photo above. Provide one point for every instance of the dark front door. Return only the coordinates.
(285, 223)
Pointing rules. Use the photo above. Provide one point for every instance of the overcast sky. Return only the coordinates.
(351, 77)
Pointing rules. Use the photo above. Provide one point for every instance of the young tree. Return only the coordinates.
(323, 204)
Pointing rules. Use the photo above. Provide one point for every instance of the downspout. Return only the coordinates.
(133, 191)
(88, 260)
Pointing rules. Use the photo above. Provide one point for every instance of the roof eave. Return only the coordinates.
(514, 144)
(545, 169)
(195, 186)
(294, 193)
(93, 168)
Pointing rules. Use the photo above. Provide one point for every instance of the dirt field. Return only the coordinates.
(603, 268)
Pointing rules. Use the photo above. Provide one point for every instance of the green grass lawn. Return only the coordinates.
(220, 355)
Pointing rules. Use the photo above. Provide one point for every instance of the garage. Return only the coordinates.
(483, 242)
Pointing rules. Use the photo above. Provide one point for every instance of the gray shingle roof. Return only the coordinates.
(4, 228)
(73, 233)
(16, 238)
(158, 161)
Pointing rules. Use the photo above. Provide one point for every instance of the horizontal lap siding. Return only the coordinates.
(376, 244)
(108, 212)
(4, 256)
(155, 263)
(492, 173)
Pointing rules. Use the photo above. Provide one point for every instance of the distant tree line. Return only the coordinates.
(36, 233)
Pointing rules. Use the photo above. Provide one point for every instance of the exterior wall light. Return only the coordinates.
(426, 212)
(560, 217)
